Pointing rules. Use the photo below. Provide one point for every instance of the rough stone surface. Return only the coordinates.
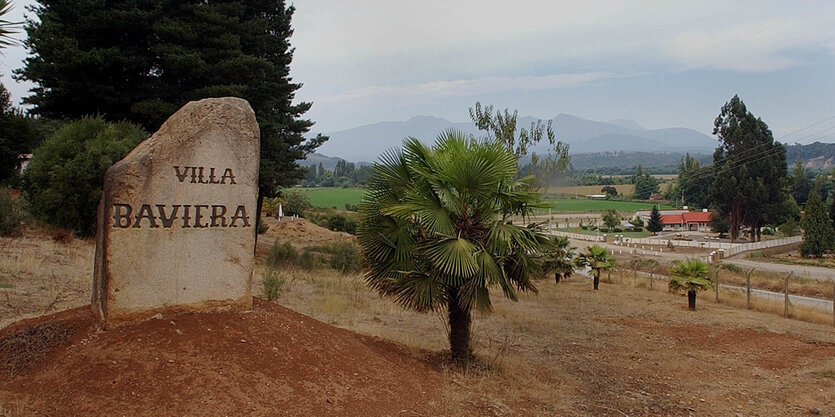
(176, 226)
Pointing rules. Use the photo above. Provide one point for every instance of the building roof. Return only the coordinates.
(685, 218)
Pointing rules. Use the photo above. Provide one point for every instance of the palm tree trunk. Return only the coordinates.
(596, 279)
(691, 299)
(459, 327)
(557, 276)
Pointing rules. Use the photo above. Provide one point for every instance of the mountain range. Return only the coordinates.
(366, 143)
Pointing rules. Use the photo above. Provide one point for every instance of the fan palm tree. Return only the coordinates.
(6, 27)
(434, 230)
(598, 259)
(559, 258)
(691, 275)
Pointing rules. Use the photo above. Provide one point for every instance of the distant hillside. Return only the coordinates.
(328, 162)
(819, 156)
(627, 162)
(366, 143)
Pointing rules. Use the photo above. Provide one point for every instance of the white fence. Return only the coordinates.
(729, 248)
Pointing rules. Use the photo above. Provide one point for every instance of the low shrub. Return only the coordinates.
(308, 260)
(345, 258)
(731, 267)
(11, 214)
(274, 283)
(63, 181)
(282, 255)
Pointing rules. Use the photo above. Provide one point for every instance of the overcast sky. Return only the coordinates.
(661, 63)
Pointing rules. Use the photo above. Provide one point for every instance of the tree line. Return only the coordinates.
(137, 62)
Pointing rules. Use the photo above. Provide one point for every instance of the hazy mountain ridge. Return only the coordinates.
(366, 143)
(816, 155)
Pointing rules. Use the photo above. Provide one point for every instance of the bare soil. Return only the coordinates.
(268, 361)
(330, 346)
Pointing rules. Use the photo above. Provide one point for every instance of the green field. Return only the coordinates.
(328, 197)
(333, 197)
(566, 205)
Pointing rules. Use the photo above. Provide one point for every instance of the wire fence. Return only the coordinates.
(784, 303)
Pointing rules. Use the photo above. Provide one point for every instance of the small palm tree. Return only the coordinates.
(598, 259)
(7, 28)
(691, 275)
(559, 258)
(434, 230)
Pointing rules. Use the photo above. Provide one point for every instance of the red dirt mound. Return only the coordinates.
(269, 361)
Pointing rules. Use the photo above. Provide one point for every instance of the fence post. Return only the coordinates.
(786, 313)
(748, 285)
(717, 283)
(650, 275)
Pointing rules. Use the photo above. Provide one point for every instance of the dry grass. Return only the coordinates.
(21, 349)
(567, 351)
(40, 275)
(773, 281)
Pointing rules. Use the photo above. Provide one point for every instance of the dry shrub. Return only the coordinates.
(19, 350)
(62, 236)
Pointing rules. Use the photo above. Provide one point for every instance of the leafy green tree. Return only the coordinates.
(296, 203)
(637, 222)
(559, 258)
(609, 191)
(819, 236)
(654, 224)
(501, 126)
(691, 275)
(141, 60)
(433, 230)
(693, 185)
(64, 178)
(611, 219)
(718, 224)
(789, 228)
(598, 259)
(645, 184)
(750, 170)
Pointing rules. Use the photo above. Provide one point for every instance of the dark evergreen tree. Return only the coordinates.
(818, 234)
(141, 60)
(16, 135)
(799, 183)
(749, 178)
(654, 224)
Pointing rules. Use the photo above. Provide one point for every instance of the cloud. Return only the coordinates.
(758, 46)
(465, 88)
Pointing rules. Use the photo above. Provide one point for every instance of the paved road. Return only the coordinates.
(799, 270)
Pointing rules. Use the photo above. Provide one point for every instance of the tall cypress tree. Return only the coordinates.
(141, 60)
(817, 227)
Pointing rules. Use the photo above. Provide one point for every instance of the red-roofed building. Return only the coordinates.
(692, 220)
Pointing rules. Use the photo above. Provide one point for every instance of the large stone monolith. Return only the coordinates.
(176, 226)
